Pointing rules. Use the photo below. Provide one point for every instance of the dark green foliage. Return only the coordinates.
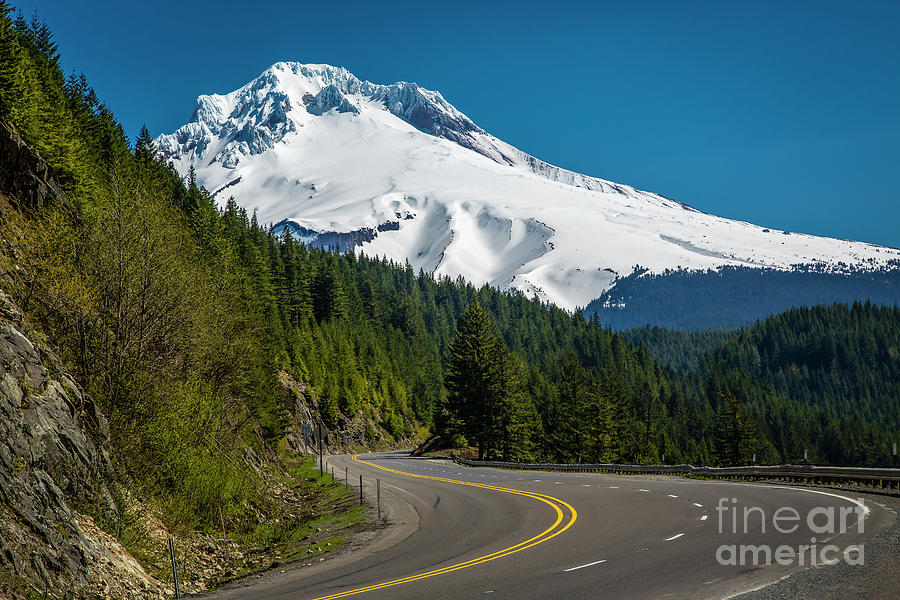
(734, 296)
(833, 377)
(328, 293)
(737, 436)
(824, 379)
(484, 389)
(474, 377)
(677, 350)
(144, 148)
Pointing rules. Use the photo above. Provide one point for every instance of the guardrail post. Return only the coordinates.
(378, 495)
(360, 491)
(321, 471)
(174, 567)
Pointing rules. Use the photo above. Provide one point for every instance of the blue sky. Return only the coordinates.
(786, 114)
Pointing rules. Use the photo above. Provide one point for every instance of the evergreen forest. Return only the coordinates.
(735, 296)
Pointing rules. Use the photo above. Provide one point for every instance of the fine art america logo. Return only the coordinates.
(822, 523)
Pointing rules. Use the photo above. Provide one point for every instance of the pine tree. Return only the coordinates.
(736, 432)
(572, 429)
(517, 422)
(475, 377)
(11, 68)
(43, 40)
(329, 301)
(144, 148)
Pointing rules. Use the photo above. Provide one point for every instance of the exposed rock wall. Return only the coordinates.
(24, 174)
(354, 433)
(52, 460)
(345, 241)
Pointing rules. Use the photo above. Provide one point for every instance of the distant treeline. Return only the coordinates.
(734, 296)
(831, 376)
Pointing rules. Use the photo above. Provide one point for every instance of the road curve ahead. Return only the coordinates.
(540, 535)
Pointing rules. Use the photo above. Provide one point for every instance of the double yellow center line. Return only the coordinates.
(551, 532)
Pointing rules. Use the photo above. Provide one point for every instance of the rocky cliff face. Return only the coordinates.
(52, 460)
(354, 433)
(345, 241)
(23, 172)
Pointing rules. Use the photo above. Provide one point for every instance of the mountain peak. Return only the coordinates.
(258, 115)
(254, 118)
(398, 171)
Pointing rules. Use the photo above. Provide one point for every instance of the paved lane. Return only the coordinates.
(515, 534)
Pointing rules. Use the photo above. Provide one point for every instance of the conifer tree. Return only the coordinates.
(11, 68)
(736, 437)
(144, 148)
(328, 297)
(517, 422)
(475, 377)
(571, 431)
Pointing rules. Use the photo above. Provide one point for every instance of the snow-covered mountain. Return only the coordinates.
(397, 171)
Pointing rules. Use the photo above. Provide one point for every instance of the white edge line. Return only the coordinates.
(858, 502)
(759, 587)
(674, 537)
(866, 508)
(596, 562)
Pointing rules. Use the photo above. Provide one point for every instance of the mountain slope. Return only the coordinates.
(405, 175)
(732, 297)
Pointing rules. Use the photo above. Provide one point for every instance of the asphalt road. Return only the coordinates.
(522, 535)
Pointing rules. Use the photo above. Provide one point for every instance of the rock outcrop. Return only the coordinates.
(353, 433)
(24, 174)
(52, 460)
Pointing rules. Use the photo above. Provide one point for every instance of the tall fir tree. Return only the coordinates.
(144, 148)
(476, 378)
(736, 432)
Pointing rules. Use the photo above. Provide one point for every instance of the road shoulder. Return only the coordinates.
(875, 580)
(399, 521)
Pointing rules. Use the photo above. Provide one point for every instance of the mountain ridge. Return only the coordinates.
(316, 147)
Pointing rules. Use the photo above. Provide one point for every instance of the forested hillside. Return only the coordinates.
(163, 310)
(676, 349)
(839, 362)
(176, 315)
(734, 296)
(832, 375)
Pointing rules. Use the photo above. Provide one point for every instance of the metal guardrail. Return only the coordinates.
(883, 478)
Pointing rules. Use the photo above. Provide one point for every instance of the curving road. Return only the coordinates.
(520, 535)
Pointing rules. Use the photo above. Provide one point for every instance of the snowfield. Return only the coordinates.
(315, 146)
